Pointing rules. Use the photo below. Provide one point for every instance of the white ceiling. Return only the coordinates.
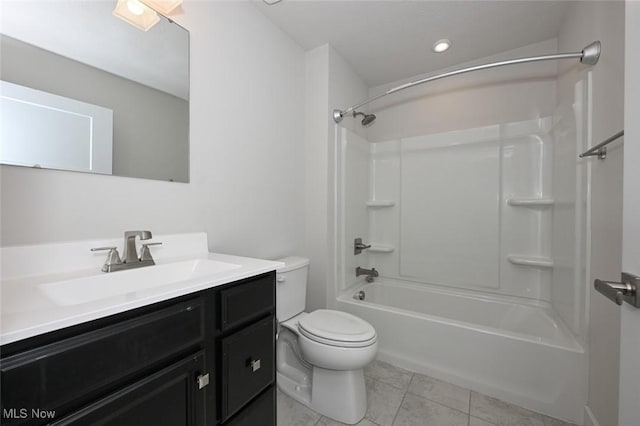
(390, 40)
(86, 31)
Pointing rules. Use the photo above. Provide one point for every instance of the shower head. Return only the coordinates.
(367, 118)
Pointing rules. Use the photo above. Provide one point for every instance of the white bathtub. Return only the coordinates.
(501, 346)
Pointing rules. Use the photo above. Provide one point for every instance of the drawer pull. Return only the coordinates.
(203, 380)
(254, 364)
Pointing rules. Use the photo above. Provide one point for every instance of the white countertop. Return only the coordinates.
(27, 311)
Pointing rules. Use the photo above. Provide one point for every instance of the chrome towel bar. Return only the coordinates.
(601, 149)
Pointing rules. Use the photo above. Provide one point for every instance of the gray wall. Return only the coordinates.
(150, 127)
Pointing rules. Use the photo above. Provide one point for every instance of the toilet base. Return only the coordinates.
(339, 395)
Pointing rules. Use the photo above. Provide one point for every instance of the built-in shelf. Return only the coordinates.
(381, 203)
(381, 248)
(540, 262)
(530, 202)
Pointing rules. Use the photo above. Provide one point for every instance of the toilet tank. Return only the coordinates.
(291, 287)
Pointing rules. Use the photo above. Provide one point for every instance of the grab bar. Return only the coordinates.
(601, 150)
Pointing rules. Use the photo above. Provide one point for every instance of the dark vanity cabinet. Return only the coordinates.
(206, 358)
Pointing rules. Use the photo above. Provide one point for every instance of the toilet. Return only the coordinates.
(320, 355)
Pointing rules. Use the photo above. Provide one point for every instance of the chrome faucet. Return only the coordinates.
(130, 253)
(370, 273)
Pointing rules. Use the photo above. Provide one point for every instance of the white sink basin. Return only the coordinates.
(88, 289)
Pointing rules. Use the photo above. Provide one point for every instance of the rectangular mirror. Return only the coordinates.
(82, 90)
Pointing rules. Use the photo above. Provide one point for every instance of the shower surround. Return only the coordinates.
(479, 250)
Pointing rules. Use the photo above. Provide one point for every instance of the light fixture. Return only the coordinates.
(271, 2)
(135, 7)
(441, 45)
(136, 14)
(163, 6)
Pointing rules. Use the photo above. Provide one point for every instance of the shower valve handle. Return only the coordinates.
(358, 246)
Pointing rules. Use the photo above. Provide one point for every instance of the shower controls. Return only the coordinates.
(626, 291)
(358, 246)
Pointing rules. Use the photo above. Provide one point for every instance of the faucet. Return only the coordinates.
(370, 273)
(130, 253)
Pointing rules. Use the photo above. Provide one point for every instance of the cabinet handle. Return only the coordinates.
(203, 380)
(254, 364)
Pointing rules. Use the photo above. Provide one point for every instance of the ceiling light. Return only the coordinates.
(163, 6)
(441, 45)
(136, 14)
(271, 2)
(135, 7)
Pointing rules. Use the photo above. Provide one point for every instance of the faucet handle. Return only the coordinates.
(145, 254)
(104, 248)
(113, 257)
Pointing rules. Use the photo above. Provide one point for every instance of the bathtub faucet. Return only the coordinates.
(370, 273)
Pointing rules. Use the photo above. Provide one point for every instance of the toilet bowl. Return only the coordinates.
(321, 355)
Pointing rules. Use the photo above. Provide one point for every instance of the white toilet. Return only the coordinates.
(320, 355)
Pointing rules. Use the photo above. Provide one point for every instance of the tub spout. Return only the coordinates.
(370, 273)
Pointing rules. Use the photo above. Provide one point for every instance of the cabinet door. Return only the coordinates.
(70, 373)
(262, 411)
(248, 365)
(170, 397)
(246, 301)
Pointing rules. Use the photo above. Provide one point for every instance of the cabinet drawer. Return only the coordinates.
(261, 412)
(60, 375)
(244, 302)
(170, 397)
(247, 365)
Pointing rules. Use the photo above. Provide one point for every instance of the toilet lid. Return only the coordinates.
(336, 326)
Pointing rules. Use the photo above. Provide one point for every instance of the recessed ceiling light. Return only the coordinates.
(441, 45)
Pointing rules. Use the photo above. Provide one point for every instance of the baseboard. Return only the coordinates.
(589, 418)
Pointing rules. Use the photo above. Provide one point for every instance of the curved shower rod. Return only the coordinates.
(589, 55)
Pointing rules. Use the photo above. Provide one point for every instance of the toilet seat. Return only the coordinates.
(337, 328)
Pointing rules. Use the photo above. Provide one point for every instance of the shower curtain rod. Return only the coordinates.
(589, 55)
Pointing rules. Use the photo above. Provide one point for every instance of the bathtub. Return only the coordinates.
(505, 347)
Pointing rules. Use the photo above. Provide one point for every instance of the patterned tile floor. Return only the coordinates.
(397, 397)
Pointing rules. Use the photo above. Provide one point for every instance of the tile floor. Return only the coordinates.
(397, 397)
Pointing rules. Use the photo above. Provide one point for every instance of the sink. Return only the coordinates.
(88, 289)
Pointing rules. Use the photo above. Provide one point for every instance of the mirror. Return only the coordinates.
(85, 91)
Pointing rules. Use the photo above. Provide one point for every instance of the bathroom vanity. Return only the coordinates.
(204, 357)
